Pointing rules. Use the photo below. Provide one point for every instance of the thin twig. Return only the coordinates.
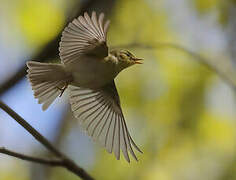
(56, 162)
(66, 162)
(39, 172)
(203, 60)
(30, 129)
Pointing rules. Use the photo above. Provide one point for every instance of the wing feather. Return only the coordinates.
(123, 141)
(97, 128)
(95, 23)
(129, 147)
(100, 115)
(100, 22)
(116, 139)
(102, 107)
(109, 132)
(84, 35)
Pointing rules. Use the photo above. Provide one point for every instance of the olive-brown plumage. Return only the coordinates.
(88, 69)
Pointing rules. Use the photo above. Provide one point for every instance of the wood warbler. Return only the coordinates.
(88, 69)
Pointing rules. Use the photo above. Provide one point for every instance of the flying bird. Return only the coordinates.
(88, 70)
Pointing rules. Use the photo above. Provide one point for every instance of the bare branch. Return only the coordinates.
(39, 172)
(66, 162)
(226, 74)
(30, 129)
(57, 162)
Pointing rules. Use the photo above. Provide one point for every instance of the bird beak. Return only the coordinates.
(138, 61)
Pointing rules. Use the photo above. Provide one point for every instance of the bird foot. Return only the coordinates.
(62, 89)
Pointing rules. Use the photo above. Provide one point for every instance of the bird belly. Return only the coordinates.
(92, 73)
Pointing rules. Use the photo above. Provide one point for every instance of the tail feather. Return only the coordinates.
(46, 80)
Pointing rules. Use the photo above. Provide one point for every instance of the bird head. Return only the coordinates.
(126, 58)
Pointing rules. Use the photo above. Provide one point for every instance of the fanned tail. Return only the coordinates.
(47, 81)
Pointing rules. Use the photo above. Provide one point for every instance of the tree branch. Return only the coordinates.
(224, 74)
(57, 162)
(66, 162)
(30, 129)
(39, 172)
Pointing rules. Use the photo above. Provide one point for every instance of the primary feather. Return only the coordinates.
(100, 114)
(84, 35)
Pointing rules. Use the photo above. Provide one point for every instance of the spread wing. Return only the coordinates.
(84, 35)
(99, 113)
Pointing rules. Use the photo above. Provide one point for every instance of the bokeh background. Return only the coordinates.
(179, 111)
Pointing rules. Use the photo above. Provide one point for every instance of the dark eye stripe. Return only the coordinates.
(128, 54)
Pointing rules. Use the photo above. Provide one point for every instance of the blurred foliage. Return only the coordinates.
(206, 5)
(40, 20)
(221, 7)
(164, 100)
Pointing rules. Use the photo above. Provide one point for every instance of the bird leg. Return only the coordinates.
(62, 89)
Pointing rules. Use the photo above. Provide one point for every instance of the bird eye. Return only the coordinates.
(128, 54)
(122, 56)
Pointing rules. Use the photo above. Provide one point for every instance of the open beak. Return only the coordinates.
(138, 61)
